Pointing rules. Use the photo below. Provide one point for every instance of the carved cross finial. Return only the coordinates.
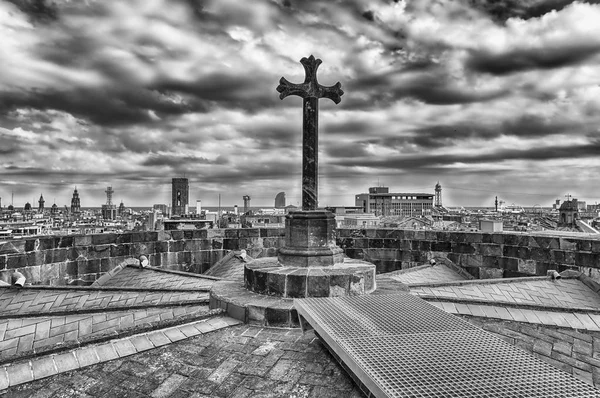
(310, 91)
(568, 196)
(311, 87)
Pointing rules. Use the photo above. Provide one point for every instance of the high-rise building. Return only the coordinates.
(438, 195)
(180, 192)
(246, 203)
(41, 202)
(121, 208)
(109, 210)
(280, 200)
(382, 202)
(75, 203)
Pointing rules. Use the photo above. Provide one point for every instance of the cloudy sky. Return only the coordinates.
(487, 97)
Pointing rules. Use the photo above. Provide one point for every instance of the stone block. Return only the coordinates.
(48, 243)
(15, 261)
(124, 238)
(184, 258)
(31, 244)
(120, 250)
(3, 262)
(425, 246)
(540, 254)
(295, 285)
(104, 239)
(276, 284)
(217, 243)
(231, 244)
(83, 240)
(57, 255)
(188, 234)
(584, 245)
(357, 285)
(36, 258)
(586, 259)
(473, 237)
(567, 244)
(528, 267)
(491, 250)
(490, 273)
(199, 234)
(508, 263)
(463, 248)
(192, 245)
(216, 255)
(339, 285)
(491, 262)
(277, 317)
(176, 245)
(176, 235)
(441, 246)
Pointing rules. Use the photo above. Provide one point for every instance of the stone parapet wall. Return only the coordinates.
(81, 259)
(483, 255)
(61, 260)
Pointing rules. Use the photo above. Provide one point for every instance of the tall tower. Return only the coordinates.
(75, 203)
(280, 200)
(109, 211)
(180, 191)
(246, 203)
(41, 204)
(438, 195)
(109, 193)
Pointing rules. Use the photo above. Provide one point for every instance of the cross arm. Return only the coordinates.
(286, 88)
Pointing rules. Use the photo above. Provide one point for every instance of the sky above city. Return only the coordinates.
(490, 98)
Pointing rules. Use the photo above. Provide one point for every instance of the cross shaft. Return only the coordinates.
(310, 91)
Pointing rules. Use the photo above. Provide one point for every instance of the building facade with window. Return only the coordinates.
(381, 202)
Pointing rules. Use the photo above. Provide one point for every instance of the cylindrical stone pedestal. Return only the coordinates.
(310, 240)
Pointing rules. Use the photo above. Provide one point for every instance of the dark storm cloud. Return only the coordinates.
(432, 87)
(40, 11)
(108, 107)
(350, 150)
(176, 161)
(426, 160)
(502, 10)
(531, 59)
(251, 91)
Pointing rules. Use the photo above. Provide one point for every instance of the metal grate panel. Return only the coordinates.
(401, 346)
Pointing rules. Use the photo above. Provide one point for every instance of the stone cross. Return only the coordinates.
(310, 91)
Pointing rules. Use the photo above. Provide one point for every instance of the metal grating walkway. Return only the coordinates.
(400, 346)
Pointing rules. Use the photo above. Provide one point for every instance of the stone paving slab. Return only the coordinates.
(570, 293)
(44, 301)
(149, 278)
(235, 362)
(46, 366)
(28, 336)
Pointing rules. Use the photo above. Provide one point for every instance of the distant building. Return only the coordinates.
(41, 202)
(180, 191)
(438, 195)
(27, 207)
(75, 203)
(246, 199)
(54, 209)
(164, 209)
(568, 214)
(490, 225)
(280, 200)
(109, 210)
(121, 210)
(381, 202)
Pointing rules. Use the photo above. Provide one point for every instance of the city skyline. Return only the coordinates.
(489, 99)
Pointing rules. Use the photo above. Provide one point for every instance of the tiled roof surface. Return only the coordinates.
(150, 279)
(570, 293)
(39, 301)
(231, 267)
(20, 336)
(436, 273)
